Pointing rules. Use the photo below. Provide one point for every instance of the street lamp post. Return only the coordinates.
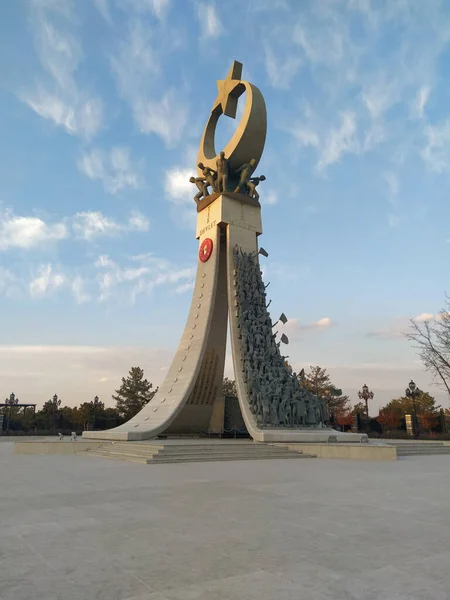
(11, 402)
(413, 392)
(96, 401)
(366, 395)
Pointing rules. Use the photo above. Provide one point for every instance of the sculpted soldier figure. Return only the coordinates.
(251, 186)
(246, 171)
(202, 187)
(209, 176)
(277, 396)
(222, 173)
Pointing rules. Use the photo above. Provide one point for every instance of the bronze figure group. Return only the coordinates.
(278, 397)
(223, 180)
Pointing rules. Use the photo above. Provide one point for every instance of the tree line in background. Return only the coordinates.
(134, 393)
(431, 338)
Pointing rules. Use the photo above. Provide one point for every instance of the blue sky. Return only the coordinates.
(102, 105)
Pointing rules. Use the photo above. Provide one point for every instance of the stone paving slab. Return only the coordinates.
(90, 529)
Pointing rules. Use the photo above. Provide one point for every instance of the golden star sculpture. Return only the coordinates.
(228, 93)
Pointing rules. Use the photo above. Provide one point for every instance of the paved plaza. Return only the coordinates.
(74, 527)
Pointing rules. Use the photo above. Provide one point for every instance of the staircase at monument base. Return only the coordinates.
(148, 453)
(421, 448)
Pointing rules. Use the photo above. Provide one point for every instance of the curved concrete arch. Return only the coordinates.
(249, 138)
(200, 334)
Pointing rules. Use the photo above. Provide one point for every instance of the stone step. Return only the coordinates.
(408, 452)
(147, 447)
(202, 447)
(423, 452)
(148, 454)
(421, 445)
(192, 449)
(192, 454)
(218, 457)
(131, 455)
(130, 451)
(202, 458)
(97, 454)
(213, 454)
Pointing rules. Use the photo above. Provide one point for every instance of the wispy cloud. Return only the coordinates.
(65, 8)
(104, 9)
(306, 136)
(210, 23)
(425, 317)
(8, 281)
(57, 96)
(166, 117)
(371, 75)
(131, 280)
(436, 152)
(269, 197)
(137, 68)
(294, 328)
(420, 101)
(136, 62)
(78, 287)
(31, 232)
(158, 7)
(178, 187)
(28, 232)
(90, 225)
(179, 191)
(396, 329)
(115, 169)
(77, 117)
(393, 187)
(46, 281)
(310, 38)
(281, 70)
(379, 96)
(339, 141)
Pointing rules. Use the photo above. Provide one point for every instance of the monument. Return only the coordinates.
(275, 404)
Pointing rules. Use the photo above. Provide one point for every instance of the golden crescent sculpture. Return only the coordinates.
(250, 136)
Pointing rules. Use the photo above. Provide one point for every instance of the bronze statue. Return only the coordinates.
(202, 188)
(251, 186)
(278, 396)
(246, 171)
(222, 173)
(210, 176)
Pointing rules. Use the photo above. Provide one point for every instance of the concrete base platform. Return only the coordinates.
(347, 451)
(310, 435)
(54, 447)
(180, 449)
(307, 435)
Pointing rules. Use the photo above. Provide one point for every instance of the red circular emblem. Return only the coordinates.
(206, 249)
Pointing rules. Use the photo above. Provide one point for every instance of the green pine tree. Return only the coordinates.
(319, 383)
(134, 393)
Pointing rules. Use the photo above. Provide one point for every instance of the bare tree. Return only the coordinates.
(432, 340)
